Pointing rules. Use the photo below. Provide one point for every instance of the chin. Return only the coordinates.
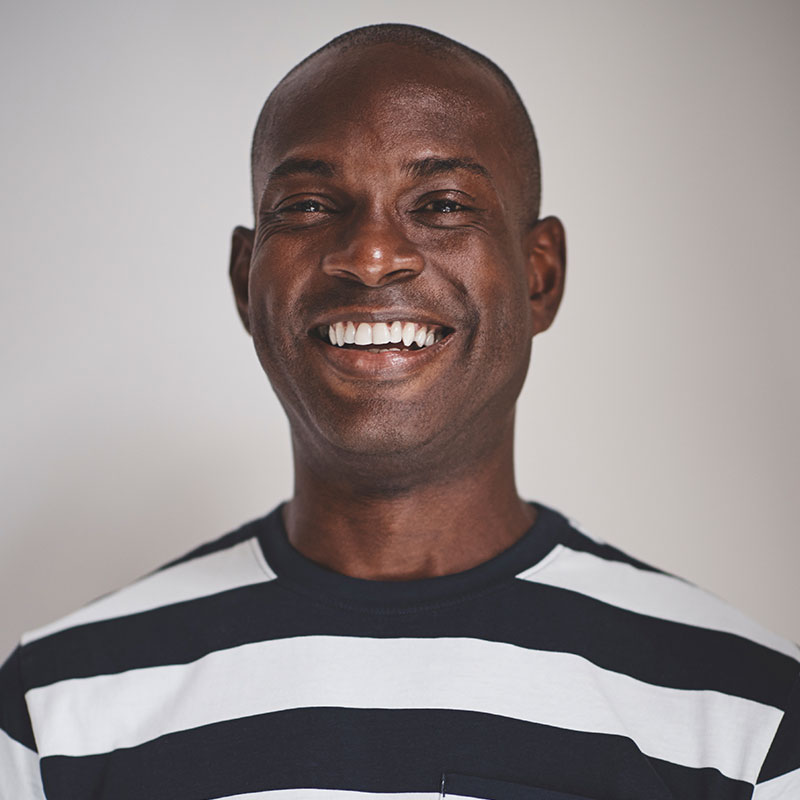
(378, 437)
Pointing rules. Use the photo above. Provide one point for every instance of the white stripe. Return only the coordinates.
(652, 593)
(784, 787)
(240, 565)
(19, 771)
(333, 794)
(83, 716)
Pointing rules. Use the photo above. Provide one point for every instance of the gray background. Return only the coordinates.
(661, 410)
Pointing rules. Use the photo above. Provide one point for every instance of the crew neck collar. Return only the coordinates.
(303, 573)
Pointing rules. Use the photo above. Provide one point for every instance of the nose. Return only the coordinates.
(375, 252)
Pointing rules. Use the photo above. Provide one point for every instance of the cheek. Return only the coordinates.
(286, 269)
(270, 299)
(279, 267)
(505, 338)
(499, 289)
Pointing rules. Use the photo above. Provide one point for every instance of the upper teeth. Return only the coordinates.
(366, 333)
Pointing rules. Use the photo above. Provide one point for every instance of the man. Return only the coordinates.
(405, 626)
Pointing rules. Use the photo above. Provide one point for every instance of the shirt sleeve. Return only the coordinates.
(779, 778)
(20, 778)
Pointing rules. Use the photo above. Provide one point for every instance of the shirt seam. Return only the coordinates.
(557, 551)
(327, 600)
(260, 559)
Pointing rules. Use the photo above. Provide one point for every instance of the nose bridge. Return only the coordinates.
(374, 249)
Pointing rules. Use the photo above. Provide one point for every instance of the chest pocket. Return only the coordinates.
(455, 786)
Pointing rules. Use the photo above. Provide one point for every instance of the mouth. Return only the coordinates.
(382, 351)
(381, 337)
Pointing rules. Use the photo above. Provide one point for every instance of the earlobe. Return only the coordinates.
(239, 270)
(547, 262)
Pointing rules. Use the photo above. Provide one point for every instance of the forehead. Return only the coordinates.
(387, 101)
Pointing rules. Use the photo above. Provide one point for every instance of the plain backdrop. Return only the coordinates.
(661, 409)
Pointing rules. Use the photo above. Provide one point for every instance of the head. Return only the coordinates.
(422, 41)
(396, 180)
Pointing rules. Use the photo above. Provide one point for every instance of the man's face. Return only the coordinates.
(389, 192)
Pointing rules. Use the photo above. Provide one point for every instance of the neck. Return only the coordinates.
(435, 526)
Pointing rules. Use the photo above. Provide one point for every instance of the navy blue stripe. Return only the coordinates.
(14, 718)
(377, 751)
(523, 613)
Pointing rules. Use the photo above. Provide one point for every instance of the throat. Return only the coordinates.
(406, 538)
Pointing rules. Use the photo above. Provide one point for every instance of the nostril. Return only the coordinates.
(394, 275)
(375, 255)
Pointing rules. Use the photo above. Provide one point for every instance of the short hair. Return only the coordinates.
(438, 46)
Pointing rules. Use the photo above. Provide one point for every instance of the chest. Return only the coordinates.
(382, 715)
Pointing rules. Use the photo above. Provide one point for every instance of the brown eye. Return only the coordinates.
(444, 206)
(306, 206)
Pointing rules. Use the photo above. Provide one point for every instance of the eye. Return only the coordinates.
(444, 206)
(307, 206)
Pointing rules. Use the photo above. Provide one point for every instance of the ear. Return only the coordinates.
(546, 249)
(241, 251)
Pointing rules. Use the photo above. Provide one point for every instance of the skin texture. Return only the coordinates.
(389, 188)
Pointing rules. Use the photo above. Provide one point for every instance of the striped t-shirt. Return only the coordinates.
(561, 669)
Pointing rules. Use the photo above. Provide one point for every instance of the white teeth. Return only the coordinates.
(364, 333)
(380, 333)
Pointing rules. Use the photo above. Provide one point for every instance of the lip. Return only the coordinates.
(390, 365)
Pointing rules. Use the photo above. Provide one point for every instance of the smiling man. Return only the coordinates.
(405, 626)
(395, 278)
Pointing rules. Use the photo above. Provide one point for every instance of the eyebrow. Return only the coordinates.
(427, 167)
(303, 166)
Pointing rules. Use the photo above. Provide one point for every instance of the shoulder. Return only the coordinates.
(684, 648)
(658, 627)
(585, 564)
(135, 620)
